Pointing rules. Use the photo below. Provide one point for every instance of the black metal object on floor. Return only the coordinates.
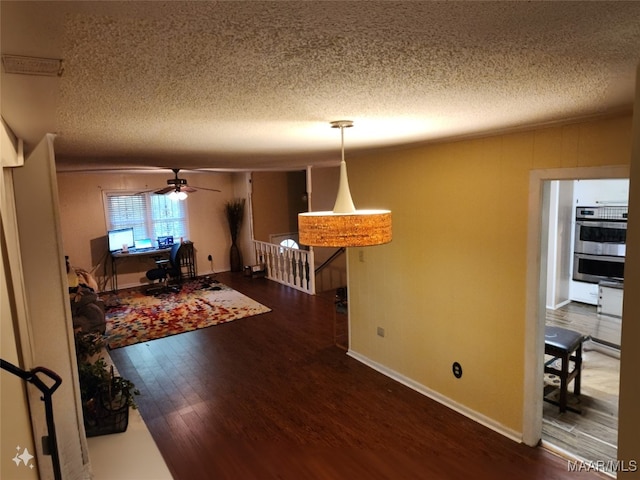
(50, 444)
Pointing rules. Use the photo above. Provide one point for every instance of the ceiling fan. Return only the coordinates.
(177, 187)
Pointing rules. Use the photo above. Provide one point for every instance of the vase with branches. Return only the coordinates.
(234, 210)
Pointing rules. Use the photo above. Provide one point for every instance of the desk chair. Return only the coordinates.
(167, 269)
(564, 346)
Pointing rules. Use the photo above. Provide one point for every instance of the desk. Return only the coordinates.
(120, 256)
(187, 260)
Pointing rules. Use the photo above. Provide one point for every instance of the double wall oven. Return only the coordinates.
(600, 243)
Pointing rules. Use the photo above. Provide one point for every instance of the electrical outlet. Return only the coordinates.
(457, 369)
(380, 332)
(209, 258)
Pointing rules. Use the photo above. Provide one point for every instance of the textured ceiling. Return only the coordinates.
(235, 85)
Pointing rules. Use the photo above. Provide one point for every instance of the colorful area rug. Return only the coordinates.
(134, 317)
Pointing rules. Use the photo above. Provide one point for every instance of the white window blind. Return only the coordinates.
(168, 217)
(150, 215)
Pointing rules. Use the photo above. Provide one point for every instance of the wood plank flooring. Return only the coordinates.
(271, 396)
(583, 318)
(592, 435)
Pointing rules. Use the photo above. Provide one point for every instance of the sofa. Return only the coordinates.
(87, 309)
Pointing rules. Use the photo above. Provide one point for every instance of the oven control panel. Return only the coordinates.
(602, 213)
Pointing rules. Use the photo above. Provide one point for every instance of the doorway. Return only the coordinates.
(587, 209)
(592, 435)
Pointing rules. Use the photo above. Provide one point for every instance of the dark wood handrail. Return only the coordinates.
(335, 255)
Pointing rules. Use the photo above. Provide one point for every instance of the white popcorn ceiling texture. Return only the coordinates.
(234, 84)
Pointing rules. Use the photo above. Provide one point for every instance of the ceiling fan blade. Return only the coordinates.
(209, 189)
(177, 184)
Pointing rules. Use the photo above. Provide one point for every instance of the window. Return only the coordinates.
(289, 243)
(150, 215)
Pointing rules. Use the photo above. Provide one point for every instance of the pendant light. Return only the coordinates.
(344, 226)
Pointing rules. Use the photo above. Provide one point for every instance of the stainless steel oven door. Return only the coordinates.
(594, 268)
(601, 238)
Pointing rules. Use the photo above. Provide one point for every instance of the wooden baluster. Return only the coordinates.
(278, 260)
(283, 266)
(303, 271)
(286, 266)
(298, 278)
(292, 266)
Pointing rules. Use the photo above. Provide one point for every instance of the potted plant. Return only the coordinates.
(234, 210)
(106, 397)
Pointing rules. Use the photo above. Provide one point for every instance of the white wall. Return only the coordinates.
(560, 241)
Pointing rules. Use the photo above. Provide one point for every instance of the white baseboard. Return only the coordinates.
(601, 347)
(559, 305)
(438, 397)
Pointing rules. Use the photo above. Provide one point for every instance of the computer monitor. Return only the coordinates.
(144, 244)
(165, 241)
(118, 238)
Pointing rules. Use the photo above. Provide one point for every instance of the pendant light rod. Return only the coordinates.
(344, 202)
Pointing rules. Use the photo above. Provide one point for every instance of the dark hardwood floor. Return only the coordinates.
(272, 397)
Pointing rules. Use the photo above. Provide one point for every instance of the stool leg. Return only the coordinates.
(578, 365)
(563, 382)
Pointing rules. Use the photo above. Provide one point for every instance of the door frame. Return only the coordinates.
(536, 286)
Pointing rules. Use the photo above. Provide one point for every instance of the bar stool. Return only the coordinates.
(566, 346)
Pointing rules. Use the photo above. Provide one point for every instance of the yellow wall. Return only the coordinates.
(452, 284)
(277, 199)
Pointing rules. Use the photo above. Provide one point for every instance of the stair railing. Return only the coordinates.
(290, 266)
(328, 261)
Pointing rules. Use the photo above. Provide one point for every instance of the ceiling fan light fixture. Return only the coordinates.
(178, 188)
(178, 195)
(345, 226)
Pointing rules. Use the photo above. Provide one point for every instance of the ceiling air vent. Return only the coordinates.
(50, 67)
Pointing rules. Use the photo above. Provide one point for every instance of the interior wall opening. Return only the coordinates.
(582, 245)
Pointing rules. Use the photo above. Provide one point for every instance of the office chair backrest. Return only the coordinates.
(174, 256)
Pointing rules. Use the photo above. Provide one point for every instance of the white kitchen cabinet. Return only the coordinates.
(584, 292)
(609, 323)
(601, 192)
(610, 299)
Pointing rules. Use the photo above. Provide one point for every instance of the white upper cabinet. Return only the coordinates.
(601, 192)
